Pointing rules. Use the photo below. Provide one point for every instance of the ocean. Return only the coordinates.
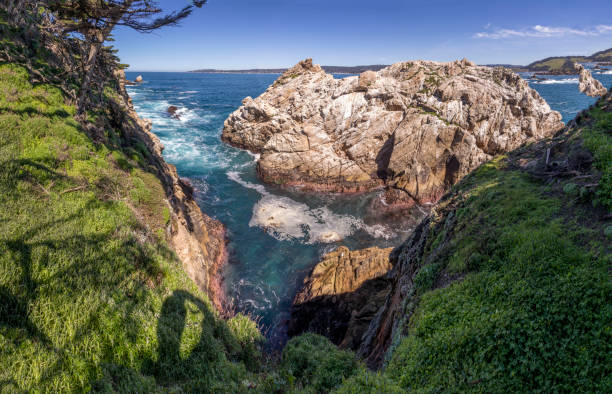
(266, 267)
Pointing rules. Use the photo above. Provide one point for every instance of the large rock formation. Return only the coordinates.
(587, 84)
(341, 295)
(416, 126)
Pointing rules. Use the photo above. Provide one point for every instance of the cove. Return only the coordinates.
(276, 236)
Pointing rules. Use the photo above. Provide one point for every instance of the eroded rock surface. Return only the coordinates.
(587, 84)
(342, 294)
(415, 126)
(198, 240)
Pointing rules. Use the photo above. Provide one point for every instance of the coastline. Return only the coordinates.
(198, 240)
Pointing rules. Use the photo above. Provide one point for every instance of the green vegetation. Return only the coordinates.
(556, 64)
(532, 311)
(90, 294)
(317, 364)
(598, 139)
(602, 56)
(565, 64)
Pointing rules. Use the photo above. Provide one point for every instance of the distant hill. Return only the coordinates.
(329, 69)
(559, 65)
(564, 64)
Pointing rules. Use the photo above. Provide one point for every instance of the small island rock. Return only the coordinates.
(173, 112)
(587, 84)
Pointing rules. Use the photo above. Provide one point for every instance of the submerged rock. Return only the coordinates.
(173, 112)
(416, 126)
(587, 84)
(342, 294)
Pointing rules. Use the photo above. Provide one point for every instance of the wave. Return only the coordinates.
(288, 220)
(607, 72)
(558, 81)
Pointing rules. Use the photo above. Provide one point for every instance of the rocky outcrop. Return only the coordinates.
(173, 112)
(415, 126)
(587, 84)
(342, 294)
(138, 79)
(198, 240)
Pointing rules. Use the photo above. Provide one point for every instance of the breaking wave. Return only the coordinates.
(558, 81)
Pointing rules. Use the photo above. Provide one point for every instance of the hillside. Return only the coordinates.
(565, 64)
(505, 287)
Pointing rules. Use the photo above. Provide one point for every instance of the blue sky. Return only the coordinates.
(234, 34)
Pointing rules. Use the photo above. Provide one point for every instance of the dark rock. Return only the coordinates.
(173, 112)
(342, 294)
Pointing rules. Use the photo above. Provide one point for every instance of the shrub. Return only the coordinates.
(317, 363)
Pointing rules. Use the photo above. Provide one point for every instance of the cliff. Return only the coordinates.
(107, 266)
(417, 127)
(507, 278)
(344, 289)
(198, 240)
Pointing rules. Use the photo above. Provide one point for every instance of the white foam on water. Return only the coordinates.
(286, 219)
(558, 81)
(608, 72)
(189, 92)
(255, 156)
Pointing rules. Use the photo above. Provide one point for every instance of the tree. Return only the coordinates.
(96, 19)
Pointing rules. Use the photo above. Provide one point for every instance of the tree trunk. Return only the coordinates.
(90, 64)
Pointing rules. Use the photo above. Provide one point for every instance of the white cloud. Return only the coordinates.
(539, 31)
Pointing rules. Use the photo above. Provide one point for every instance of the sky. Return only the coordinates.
(239, 34)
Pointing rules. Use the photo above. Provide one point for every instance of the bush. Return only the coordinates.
(317, 363)
(369, 382)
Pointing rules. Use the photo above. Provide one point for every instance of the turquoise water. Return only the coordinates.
(266, 267)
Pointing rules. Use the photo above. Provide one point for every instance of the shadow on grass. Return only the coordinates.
(194, 373)
(31, 111)
(170, 366)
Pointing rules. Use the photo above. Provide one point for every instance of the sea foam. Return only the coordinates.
(286, 219)
(558, 81)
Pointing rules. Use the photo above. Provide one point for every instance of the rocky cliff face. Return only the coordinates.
(198, 240)
(415, 126)
(342, 294)
(560, 161)
(587, 84)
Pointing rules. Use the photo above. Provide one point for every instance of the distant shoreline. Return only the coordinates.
(329, 69)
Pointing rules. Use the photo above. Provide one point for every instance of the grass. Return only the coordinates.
(532, 312)
(598, 139)
(557, 63)
(91, 297)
